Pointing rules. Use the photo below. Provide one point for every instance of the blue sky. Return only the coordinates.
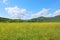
(26, 9)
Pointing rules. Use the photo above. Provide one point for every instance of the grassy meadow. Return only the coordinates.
(30, 31)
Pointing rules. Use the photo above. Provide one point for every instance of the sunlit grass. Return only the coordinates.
(30, 31)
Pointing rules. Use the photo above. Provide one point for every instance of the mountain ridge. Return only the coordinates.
(46, 19)
(39, 19)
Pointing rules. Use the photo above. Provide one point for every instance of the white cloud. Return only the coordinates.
(17, 12)
(43, 12)
(24, 14)
(57, 12)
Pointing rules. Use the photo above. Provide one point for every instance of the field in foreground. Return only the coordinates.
(30, 31)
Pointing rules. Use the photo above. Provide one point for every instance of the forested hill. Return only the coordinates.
(10, 20)
(39, 19)
(46, 19)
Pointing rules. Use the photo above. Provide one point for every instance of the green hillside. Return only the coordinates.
(39, 19)
(46, 19)
(9, 20)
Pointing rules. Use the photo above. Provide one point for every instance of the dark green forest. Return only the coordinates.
(39, 19)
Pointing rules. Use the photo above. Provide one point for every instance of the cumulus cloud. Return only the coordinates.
(57, 12)
(17, 12)
(43, 12)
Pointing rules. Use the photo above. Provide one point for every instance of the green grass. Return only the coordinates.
(30, 31)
